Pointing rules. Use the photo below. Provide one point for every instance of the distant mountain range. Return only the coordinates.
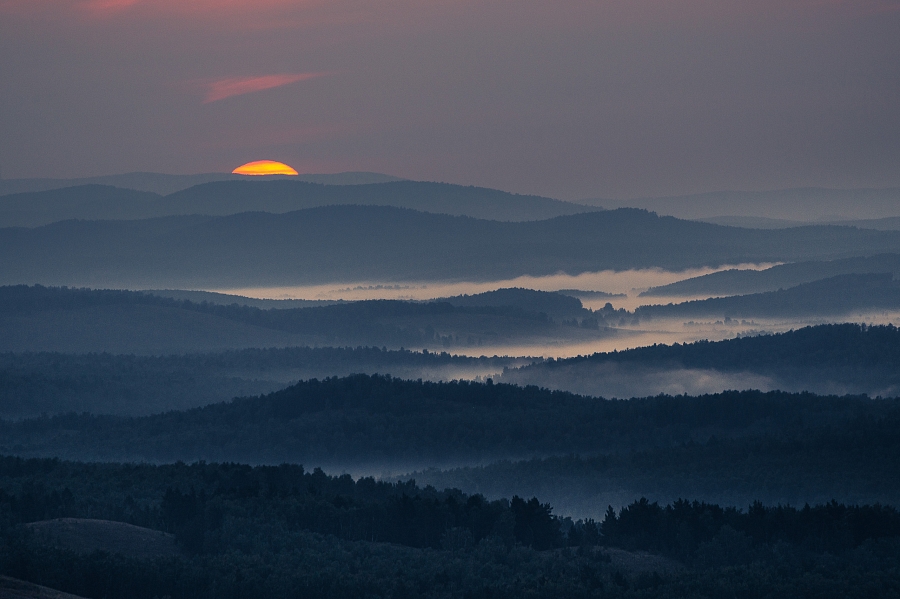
(84, 198)
(366, 243)
(165, 184)
(222, 198)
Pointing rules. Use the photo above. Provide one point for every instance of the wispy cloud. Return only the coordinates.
(237, 86)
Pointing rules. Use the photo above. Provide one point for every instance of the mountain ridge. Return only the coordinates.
(162, 183)
(375, 243)
(282, 195)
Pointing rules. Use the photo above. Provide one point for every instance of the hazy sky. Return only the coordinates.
(565, 98)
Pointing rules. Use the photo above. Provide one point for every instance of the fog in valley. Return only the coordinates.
(449, 300)
(616, 283)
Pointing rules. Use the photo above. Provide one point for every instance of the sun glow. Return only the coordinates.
(264, 167)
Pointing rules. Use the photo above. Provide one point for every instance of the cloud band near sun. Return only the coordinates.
(237, 86)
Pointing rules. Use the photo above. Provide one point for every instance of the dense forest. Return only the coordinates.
(284, 531)
(364, 243)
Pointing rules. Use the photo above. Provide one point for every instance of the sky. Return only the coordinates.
(570, 98)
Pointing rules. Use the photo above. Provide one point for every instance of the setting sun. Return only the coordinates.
(264, 167)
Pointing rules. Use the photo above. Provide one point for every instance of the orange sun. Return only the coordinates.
(264, 167)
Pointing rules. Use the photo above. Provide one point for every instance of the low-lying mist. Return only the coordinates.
(627, 282)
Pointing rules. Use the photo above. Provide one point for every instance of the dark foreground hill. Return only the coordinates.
(376, 243)
(84, 320)
(102, 202)
(285, 531)
(13, 588)
(87, 535)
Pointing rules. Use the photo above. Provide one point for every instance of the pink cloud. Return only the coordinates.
(237, 86)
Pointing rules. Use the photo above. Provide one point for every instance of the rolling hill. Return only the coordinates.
(782, 276)
(83, 320)
(87, 535)
(839, 358)
(13, 588)
(36, 383)
(832, 297)
(383, 423)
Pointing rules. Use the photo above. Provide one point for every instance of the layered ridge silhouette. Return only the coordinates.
(359, 243)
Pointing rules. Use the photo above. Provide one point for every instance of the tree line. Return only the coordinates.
(284, 531)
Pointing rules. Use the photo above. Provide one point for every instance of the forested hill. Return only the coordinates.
(838, 358)
(220, 198)
(553, 304)
(365, 243)
(834, 296)
(32, 384)
(782, 276)
(380, 422)
(827, 346)
(24, 298)
(82, 320)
